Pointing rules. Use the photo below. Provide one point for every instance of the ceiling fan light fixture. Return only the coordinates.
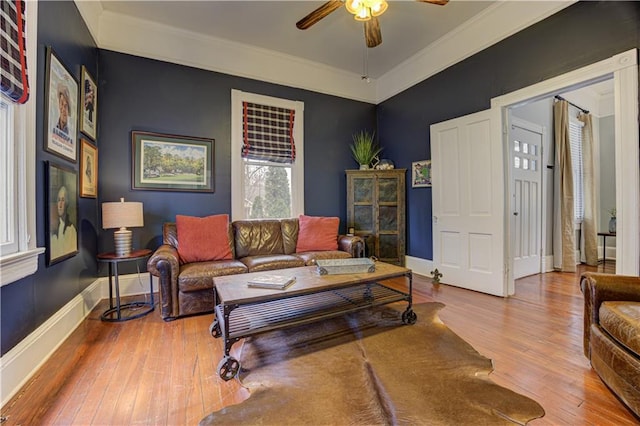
(378, 7)
(354, 6)
(364, 14)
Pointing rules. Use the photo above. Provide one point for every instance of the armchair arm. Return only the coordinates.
(352, 244)
(600, 287)
(164, 263)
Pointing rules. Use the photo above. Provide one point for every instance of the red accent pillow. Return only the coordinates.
(317, 233)
(203, 238)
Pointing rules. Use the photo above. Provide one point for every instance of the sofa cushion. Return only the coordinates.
(622, 321)
(198, 276)
(310, 257)
(271, 262)
(289, 234)
(317, 233)
(257, 237)
(202, 239)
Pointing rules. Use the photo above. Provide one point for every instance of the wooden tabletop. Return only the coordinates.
(234, 288)
(135, 254)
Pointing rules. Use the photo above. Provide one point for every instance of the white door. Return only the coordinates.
(468, 202)
(525, 146)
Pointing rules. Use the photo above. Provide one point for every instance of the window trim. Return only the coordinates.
(297, 168)
(25, 262)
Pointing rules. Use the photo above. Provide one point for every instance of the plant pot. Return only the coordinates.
(364, 167)
(612, 225)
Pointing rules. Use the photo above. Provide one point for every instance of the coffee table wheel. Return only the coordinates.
(228, 368)
(214, 329)
(409, 317)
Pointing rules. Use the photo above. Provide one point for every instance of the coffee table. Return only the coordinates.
(243, 311)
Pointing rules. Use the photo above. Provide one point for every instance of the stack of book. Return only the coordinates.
(278, 282)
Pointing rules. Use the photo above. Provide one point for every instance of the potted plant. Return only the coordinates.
(364, 148)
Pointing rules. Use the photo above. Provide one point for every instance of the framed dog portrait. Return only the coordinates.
(62, 209)
(61, 109)
(88, 104)
(88, 169)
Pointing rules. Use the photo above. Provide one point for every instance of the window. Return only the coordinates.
(575, 138)
(267, 161)
(18, 251)
(8, 193)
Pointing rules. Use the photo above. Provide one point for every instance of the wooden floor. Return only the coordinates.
(147, 371)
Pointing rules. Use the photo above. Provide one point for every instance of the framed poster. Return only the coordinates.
(88, 169)
(88, 104)
(421, 173)
(61, 109)
(62, 209)
(171, 163)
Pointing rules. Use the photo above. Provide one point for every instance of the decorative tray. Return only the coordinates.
(345, 266)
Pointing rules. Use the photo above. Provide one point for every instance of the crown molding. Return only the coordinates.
(497, 22)
(162, 42)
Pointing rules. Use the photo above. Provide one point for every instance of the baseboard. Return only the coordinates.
(419, 266)
(547, 264)
(19, 364)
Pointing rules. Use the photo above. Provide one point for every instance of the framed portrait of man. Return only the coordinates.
(61, 109)
(62, 208)
(88, 104)
(88, 169)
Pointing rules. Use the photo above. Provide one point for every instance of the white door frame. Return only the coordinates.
(624, 70)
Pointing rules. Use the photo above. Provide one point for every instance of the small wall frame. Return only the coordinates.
(421, 173)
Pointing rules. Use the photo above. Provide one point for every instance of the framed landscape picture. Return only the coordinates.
(61, 109)
(172, 163)
(421, 173)
(88, 104)
(88, 169)
(62, 213)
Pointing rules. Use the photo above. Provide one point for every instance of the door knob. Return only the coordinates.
(515, 213)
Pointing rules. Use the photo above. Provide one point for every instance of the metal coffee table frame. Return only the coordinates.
(271, 310)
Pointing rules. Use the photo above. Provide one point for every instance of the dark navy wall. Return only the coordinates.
(27, 303)
(579, 35)
(144, 94)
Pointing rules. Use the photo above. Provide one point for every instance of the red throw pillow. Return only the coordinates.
(203, 238)
(317, 233)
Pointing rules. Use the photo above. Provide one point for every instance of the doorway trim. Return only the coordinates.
(623, 68)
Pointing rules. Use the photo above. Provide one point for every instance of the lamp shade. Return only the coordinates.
(122, 214)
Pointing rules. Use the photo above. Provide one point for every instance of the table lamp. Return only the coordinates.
(120, 215)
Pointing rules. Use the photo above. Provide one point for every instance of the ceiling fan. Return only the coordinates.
(366, 11)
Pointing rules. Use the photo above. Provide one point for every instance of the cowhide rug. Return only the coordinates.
(367, 368)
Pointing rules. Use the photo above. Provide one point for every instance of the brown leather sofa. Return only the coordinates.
(612, 332)
(256, 245)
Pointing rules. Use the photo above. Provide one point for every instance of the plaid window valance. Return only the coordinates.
(268, 133)
(13, 61)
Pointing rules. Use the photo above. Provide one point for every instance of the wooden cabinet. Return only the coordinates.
(376, 210)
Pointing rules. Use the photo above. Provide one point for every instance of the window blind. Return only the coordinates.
(575, 138)
(268, 133)
(14, 82)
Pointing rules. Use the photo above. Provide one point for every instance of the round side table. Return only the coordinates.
(115, 313)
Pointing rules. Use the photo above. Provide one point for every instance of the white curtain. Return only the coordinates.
(564, 257)
(589, 232)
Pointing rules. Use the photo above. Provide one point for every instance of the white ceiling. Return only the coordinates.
(337, 40)
(259, 39)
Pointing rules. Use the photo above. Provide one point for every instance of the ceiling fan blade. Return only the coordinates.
(438, 2)
(372, 32)
(318, 14)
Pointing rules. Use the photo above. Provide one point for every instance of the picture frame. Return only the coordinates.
(421, 174)
(62, 213)
(61, 109)
(151, 170)
(88, 104)
(88, 169)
